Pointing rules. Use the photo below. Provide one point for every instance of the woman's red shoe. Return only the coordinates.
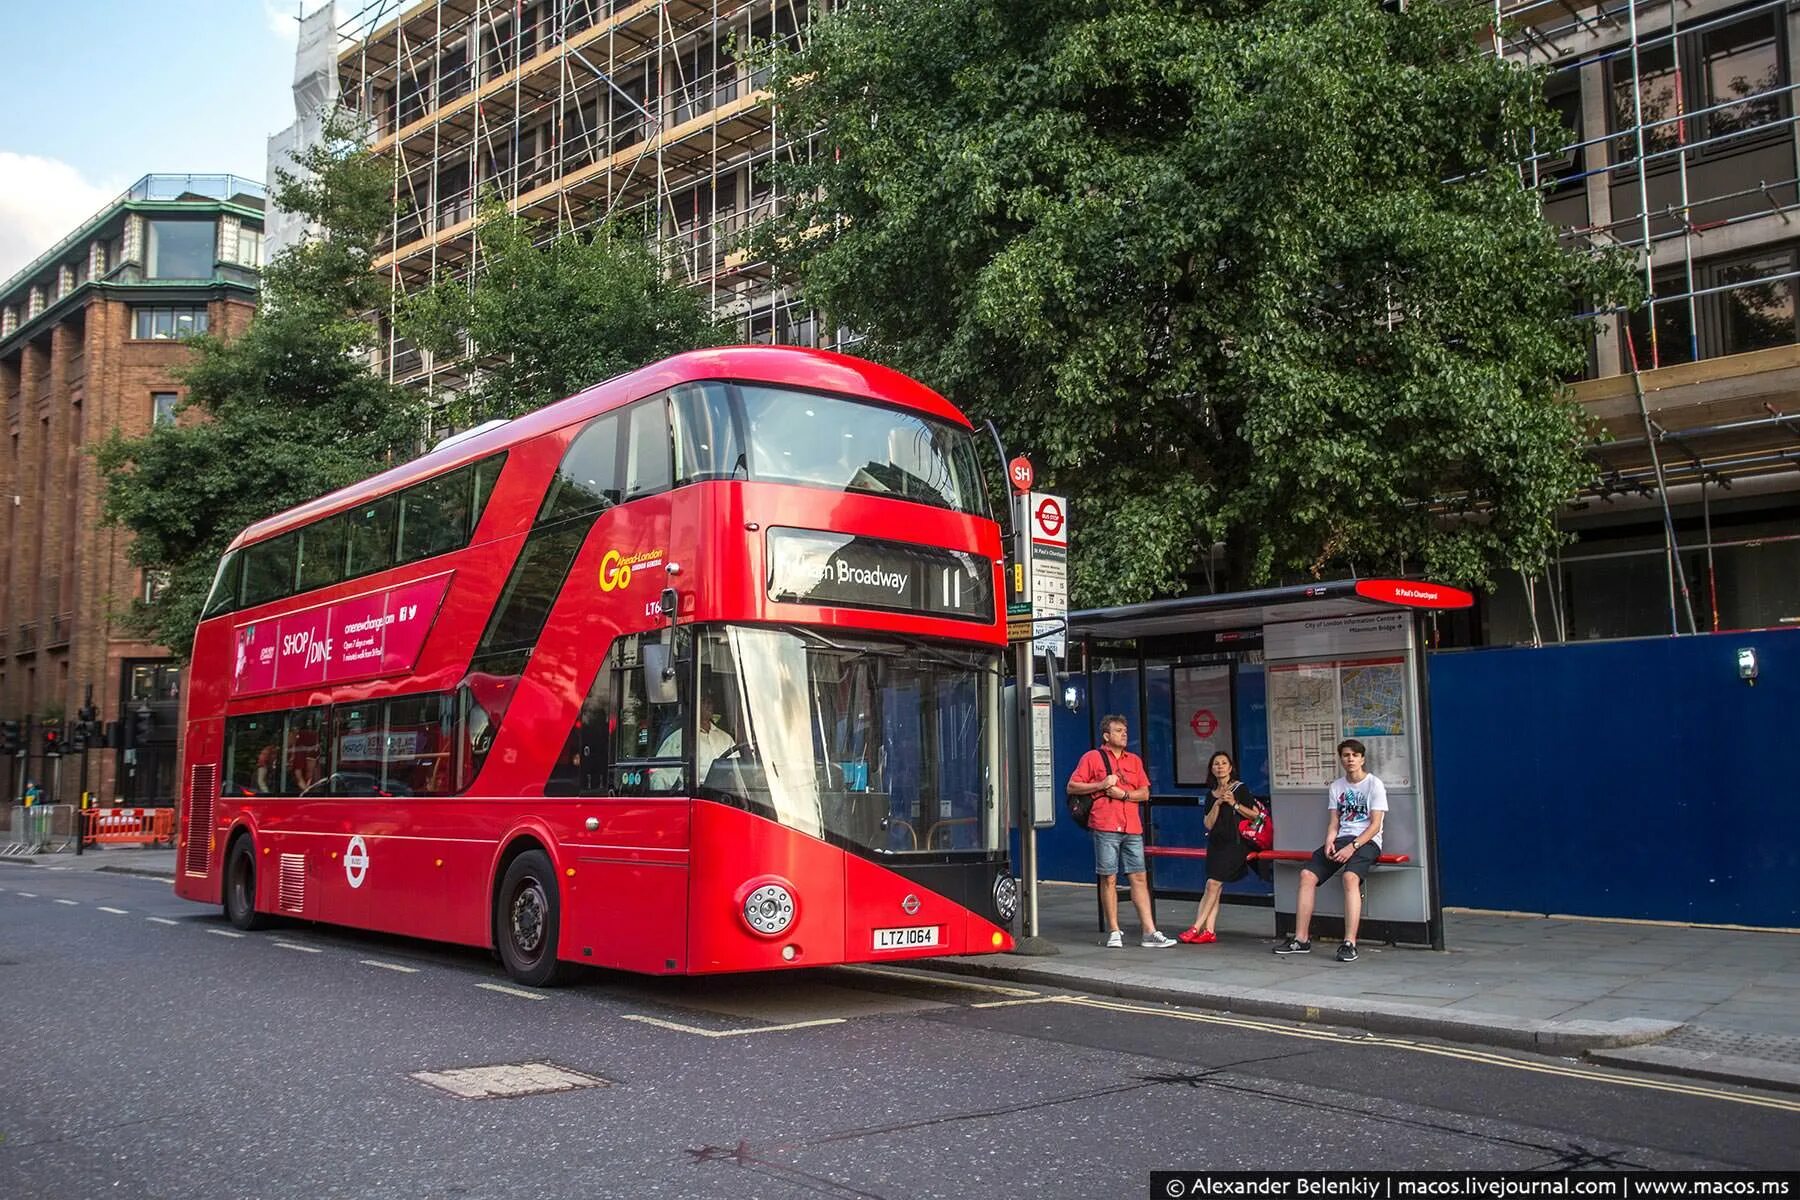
(1192, 935)
(1207, 937)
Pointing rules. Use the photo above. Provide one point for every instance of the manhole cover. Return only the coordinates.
(503, 1081)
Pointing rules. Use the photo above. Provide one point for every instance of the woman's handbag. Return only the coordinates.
(1258, 832)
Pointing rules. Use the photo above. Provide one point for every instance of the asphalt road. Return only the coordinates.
(151, 1050)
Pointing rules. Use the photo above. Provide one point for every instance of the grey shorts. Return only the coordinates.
(1116, 851)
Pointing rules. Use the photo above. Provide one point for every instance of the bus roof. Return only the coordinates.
(797, 366)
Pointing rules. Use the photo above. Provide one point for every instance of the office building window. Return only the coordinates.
(162, 407)
(250, 247)
(163, 322)
(1742, 62)
(180, 249)
(1758, 310)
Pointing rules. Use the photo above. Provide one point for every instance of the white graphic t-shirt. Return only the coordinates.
(1353, 802)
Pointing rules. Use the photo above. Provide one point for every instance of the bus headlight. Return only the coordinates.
(1006, 897)
(769, 909)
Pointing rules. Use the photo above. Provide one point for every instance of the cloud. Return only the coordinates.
(42, 201)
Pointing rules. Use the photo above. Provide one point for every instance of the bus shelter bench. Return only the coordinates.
(1199, 852)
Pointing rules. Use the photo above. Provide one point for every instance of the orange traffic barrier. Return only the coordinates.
(128, 826)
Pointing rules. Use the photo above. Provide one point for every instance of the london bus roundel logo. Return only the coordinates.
(356, 862)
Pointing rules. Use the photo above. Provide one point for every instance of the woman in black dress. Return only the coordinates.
(1229, 802)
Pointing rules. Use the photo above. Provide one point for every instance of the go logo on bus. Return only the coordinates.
(616, 568)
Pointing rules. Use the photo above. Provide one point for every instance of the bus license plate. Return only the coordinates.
(906, 939)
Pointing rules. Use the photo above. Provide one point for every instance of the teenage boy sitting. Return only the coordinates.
(1357, 803)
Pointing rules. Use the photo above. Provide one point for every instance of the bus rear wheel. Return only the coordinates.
(527, 920)
(240, 886)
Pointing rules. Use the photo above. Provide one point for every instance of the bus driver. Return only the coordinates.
(713, 741)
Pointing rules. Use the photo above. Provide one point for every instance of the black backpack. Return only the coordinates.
(1081, 808)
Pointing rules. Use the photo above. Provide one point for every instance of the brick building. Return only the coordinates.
(89, 345)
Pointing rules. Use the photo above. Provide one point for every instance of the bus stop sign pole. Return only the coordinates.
(1024, 684)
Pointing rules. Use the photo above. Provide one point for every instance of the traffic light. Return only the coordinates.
(78, 737)
(143, 724)
(53, 740)
(12, 738)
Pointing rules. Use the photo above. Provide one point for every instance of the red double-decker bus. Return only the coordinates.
(695, 671)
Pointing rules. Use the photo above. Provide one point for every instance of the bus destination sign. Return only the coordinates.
(811, 567)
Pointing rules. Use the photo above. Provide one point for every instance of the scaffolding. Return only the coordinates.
(1684, 154)
(571, 113)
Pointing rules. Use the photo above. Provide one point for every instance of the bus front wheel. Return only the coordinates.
(240, 886)
(527, 918)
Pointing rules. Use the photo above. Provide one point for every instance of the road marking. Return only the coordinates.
(724, 1033)
(937, 981)
(299, 947)
(29, 895)
(226, 932)
(1011, 1003)
(521, 993)
(162, 920)
(387, 966)
(120, 912)
(1486, 1057)
(76, 903)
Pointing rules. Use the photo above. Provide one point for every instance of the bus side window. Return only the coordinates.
(487, 475)
(416, 758)
(253, 756)
(587, 481)
(302, 748)
(580, 770)
(322, 553)
(224, 596)
(371, 537)
(434, 515)
(269, 569)
(356, 738)
(647, 469)
(650, 720)
(707, 445)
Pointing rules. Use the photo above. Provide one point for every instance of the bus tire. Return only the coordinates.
(528, 919)
(240, 886)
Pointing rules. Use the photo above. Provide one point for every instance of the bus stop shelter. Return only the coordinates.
(1343, 659)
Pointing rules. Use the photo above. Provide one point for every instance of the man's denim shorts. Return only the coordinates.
(1111, 848)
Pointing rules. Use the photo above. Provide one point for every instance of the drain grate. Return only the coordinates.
(1714, 1039)
(504, 1081)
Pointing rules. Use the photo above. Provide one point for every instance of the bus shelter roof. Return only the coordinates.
(1253, 609)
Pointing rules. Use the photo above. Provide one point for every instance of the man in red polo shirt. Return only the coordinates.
(1116, 779)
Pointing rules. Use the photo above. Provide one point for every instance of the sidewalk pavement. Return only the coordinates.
(1710, 1003)
(1713, 1003)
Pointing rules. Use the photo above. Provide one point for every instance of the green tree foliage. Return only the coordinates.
(292, 410)
(547, 320)
(1252, 270)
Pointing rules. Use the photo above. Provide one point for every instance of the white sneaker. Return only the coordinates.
(1115, 940)
(1156, 940)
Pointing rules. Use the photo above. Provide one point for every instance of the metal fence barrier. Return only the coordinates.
(41, 829)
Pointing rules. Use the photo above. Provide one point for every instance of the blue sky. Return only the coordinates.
(100, 92)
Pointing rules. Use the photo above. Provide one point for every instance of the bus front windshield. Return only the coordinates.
(889, 746)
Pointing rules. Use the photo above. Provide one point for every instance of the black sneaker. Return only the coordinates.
(1294, 946)
(1347, 952)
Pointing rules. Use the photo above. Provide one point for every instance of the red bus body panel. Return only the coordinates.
(657, 885)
